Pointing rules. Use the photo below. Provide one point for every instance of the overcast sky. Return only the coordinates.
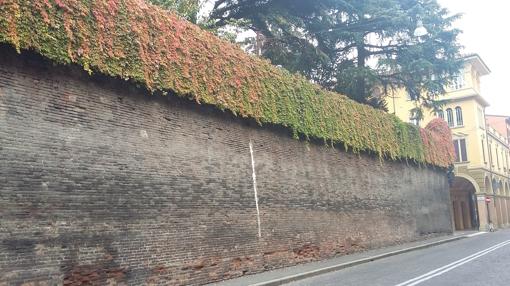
(486, 26)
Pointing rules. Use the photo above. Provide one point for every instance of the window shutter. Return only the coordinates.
(456, 145)
(463, 151)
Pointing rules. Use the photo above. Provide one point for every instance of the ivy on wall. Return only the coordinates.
(136, 41)
(437, 141)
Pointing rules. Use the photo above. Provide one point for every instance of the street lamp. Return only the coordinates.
(420, 30)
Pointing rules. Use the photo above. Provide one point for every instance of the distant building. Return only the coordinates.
(501, 123)
(480, 191)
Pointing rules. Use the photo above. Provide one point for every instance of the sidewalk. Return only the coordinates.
(298, 272)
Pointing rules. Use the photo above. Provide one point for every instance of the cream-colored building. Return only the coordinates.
(480, 191)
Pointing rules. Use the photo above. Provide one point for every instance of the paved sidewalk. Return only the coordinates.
(298, 272)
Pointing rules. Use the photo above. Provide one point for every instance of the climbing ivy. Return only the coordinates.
(437, 141)
(136, 41)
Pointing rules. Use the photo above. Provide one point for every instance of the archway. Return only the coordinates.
(502, 205)
(464, 203)
(496, 186)
(507, 202)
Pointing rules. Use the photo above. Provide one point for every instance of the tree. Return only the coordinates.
(361, 48)
(188, 9)
(282, 25)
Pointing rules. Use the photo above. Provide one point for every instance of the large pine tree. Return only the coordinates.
(355, 47)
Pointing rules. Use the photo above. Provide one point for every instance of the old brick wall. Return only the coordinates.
(102, 183)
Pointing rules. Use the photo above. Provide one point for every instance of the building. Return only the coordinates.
(480, 190)
(501, 123)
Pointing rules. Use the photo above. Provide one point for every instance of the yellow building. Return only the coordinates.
(480, 191)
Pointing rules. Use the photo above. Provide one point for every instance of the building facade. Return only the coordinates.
(480, 191)
(501, 123)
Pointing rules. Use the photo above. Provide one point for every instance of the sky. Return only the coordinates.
(486, 31)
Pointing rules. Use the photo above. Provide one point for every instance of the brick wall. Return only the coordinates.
(102, 183)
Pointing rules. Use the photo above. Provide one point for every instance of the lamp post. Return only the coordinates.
(420, 30)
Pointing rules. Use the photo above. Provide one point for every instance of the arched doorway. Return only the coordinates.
(504, 203)
(464, 204)
(496, 187)
(502, 212)
(507, 203)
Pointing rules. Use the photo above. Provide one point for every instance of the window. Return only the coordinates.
(460, 150)
(458, 82)
(483, 151)
(440, 114)
(449, 117)
(497, 157)
(503, 165)
(490, 154)
(458, 113)
(502, 158)
(481, 119)
(506, 158)
(408, 95)
(414, 121)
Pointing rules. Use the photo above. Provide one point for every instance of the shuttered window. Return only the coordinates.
(458, 113)
(460, 150)
(449, 117)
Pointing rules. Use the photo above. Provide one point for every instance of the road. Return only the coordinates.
(479, 260)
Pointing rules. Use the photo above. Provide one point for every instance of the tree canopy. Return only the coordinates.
(364, 49)
(188, 9)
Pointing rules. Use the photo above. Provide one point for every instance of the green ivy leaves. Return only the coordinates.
(133, 40)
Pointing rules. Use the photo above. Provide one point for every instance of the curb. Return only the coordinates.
(300, 276)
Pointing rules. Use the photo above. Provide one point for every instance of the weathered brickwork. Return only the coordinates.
(101, 183)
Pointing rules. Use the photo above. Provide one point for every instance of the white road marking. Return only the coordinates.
(451, 266)
(254, 176)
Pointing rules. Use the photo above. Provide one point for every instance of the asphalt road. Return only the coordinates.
(479, 260)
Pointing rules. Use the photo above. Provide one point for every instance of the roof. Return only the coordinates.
(482, 100)
(492, 115)
(478, 63)
(505, 118)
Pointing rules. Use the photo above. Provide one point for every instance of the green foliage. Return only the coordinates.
(353, 46)
(144, 44)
